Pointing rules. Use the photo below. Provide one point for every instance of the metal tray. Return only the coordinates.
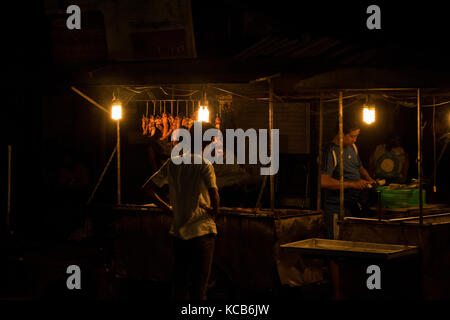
(341, 248)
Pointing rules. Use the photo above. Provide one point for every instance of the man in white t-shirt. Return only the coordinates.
(194, 203)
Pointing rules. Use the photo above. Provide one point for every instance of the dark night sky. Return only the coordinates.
(420, 28)
(218, 25)
(408, 24)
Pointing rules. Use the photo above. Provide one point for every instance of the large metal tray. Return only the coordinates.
(341, 248)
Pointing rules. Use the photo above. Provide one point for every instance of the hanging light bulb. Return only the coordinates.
(203, 112)
(116, 109)
(368, 114)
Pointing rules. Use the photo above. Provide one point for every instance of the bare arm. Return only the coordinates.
(328, 182)
(149, 190)
(365, 175)
(215, 201)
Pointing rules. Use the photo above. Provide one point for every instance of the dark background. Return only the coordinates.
(415, 34)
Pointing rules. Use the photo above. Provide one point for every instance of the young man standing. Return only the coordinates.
(194, 200)
(356, 178)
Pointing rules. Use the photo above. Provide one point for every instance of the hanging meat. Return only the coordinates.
(185, 122)
(167, 128)
(217, 123)
(190, 123)
(144, 124)
(158, 124)
(171, 125)
(151, 126)
(165, 123)
(178, 122)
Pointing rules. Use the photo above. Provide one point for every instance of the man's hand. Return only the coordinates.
(211, 212)
(360, 184)
(366, 175)
(149, 189)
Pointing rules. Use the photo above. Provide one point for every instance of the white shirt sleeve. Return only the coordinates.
(209, 175)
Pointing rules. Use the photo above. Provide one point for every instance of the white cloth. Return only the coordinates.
(188, 188)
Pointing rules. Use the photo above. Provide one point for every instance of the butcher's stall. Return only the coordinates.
(247, 254)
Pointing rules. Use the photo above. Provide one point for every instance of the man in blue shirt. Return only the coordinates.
(356, 178)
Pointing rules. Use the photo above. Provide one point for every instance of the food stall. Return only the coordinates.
(142, 246)
(250, 230)
(400, 217)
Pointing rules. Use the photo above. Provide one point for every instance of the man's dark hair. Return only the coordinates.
(348, 125)
(204, 126)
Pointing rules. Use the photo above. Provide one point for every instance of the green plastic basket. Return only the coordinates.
(400, 198)
(414, 200)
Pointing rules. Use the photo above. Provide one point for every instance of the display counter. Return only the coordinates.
(247, 253)
(432, 237)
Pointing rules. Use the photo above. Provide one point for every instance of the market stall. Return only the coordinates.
(400, 216)
(263, 265)
(247, 255)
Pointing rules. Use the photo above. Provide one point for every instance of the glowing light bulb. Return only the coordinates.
(116, 110)
(203, 114)
(369, 115)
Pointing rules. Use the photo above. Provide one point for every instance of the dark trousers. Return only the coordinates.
(192, 265)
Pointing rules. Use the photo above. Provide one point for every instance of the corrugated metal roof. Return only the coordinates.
(296, 49)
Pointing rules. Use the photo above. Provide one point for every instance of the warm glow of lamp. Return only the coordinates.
(116, 111)
(203, 114)
(369, 114)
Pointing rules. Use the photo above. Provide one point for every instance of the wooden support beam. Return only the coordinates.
(90, 100)
(341, 158)
(319, 160)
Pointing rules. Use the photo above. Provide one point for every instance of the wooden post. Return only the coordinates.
(271, 96)
(319, 160)
(119, 200)
(434, 145)
(419, 156)
(101, 177)
(272, 180)
(8, 213)
(341, 159)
